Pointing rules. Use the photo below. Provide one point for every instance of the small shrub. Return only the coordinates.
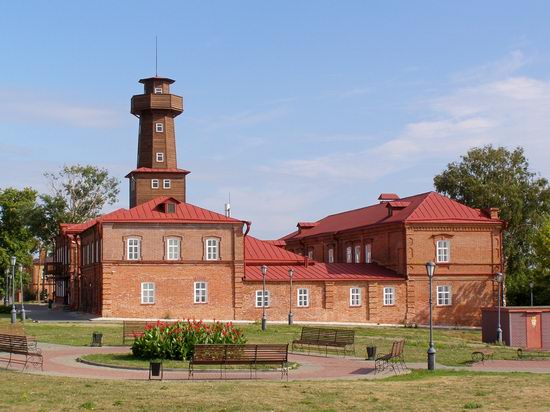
(472, 405)
(177, 340)
(88, 405)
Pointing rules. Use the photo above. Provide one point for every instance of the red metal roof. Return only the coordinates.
(425, 207)
(322, 272)
(151, 170)
(149, 212)
(398, 204)
(278, 243)
(262, 252)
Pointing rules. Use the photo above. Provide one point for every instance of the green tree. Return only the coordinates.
(17, 207)
(78, 193)
(541, 269)
(497, 177)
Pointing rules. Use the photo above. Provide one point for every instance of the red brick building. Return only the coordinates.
(166, 258)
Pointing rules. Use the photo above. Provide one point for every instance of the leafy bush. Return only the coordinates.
(177, 340)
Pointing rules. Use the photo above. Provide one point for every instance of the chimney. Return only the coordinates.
(491, 212)
(387, 197)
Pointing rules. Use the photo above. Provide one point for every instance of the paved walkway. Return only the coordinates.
(41, 313)
(61, 360)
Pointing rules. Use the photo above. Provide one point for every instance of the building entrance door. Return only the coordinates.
(534, 330)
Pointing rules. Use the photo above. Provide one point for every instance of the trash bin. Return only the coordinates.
(50, 303)
(371, 352)
(155, 369)
(96, 339)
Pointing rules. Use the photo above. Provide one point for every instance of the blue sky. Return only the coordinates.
(299, 109)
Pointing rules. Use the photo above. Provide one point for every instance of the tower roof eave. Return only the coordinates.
(165, 79)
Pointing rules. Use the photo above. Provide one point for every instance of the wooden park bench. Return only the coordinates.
(480, 355)
(251, 355)
(134, 328)
(394, 359)
(20, 345)
(333, 338)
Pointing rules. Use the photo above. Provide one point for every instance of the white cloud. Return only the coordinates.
(511, 111)
(26, 107)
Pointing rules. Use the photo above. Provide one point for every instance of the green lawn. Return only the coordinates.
(419, 391)
(454, 347)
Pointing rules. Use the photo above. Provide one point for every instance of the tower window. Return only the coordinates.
(155, 184)
(158, 90)
(159, 127)
(160, 157)
(166, 184)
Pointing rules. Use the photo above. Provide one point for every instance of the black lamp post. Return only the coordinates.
(6, 287)
(290, 275)
(13, 261)
(430, 269)
(531, 285)
(264, 320)
(23, 314)
(499, 277)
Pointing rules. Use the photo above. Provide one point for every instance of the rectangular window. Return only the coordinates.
(212, 249)
(310, 254)
(201, 292)
(444, 297)
(389, 296)
(355, 297)
(158, 90)
(357, 254)
(368, 253)
(160, 157)
(331, 255)
(133, 249)
(259, 301)
(155, 184)
(159, 127)
(443, 251)
(166, 184)
(349, 255)
(147, 293)
(173, 249)
(303, 298)
(97, 250)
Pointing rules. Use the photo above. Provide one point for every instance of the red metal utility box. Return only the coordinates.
(522, 326)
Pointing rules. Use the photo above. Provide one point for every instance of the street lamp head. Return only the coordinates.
(499, 277)
(13, 260)
(531, 284)
(264, 270)
(430, 268)
(290, 273)
(20, 267)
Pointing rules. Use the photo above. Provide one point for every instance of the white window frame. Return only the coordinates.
(212, 248)
(349, 254)
(155, 183)
(357, 253)
(166, 183)
(368, 253)
(444, 295)
(389, 296)
(302, 297)
(147, 293)
(200, 294)
(173, 248)
(158, 90)
(355, 296)
(443, 251)
(310, 254)
(266, 300)
(331, 255)
(159, 127)
(160, 157)
(133, 248)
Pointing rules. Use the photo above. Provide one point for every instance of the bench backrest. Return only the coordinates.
(397, 348)
(246, 353)
(16, 343)
(133, 326)
(327, 335)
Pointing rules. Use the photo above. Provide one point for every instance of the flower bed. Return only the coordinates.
(177, 340)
